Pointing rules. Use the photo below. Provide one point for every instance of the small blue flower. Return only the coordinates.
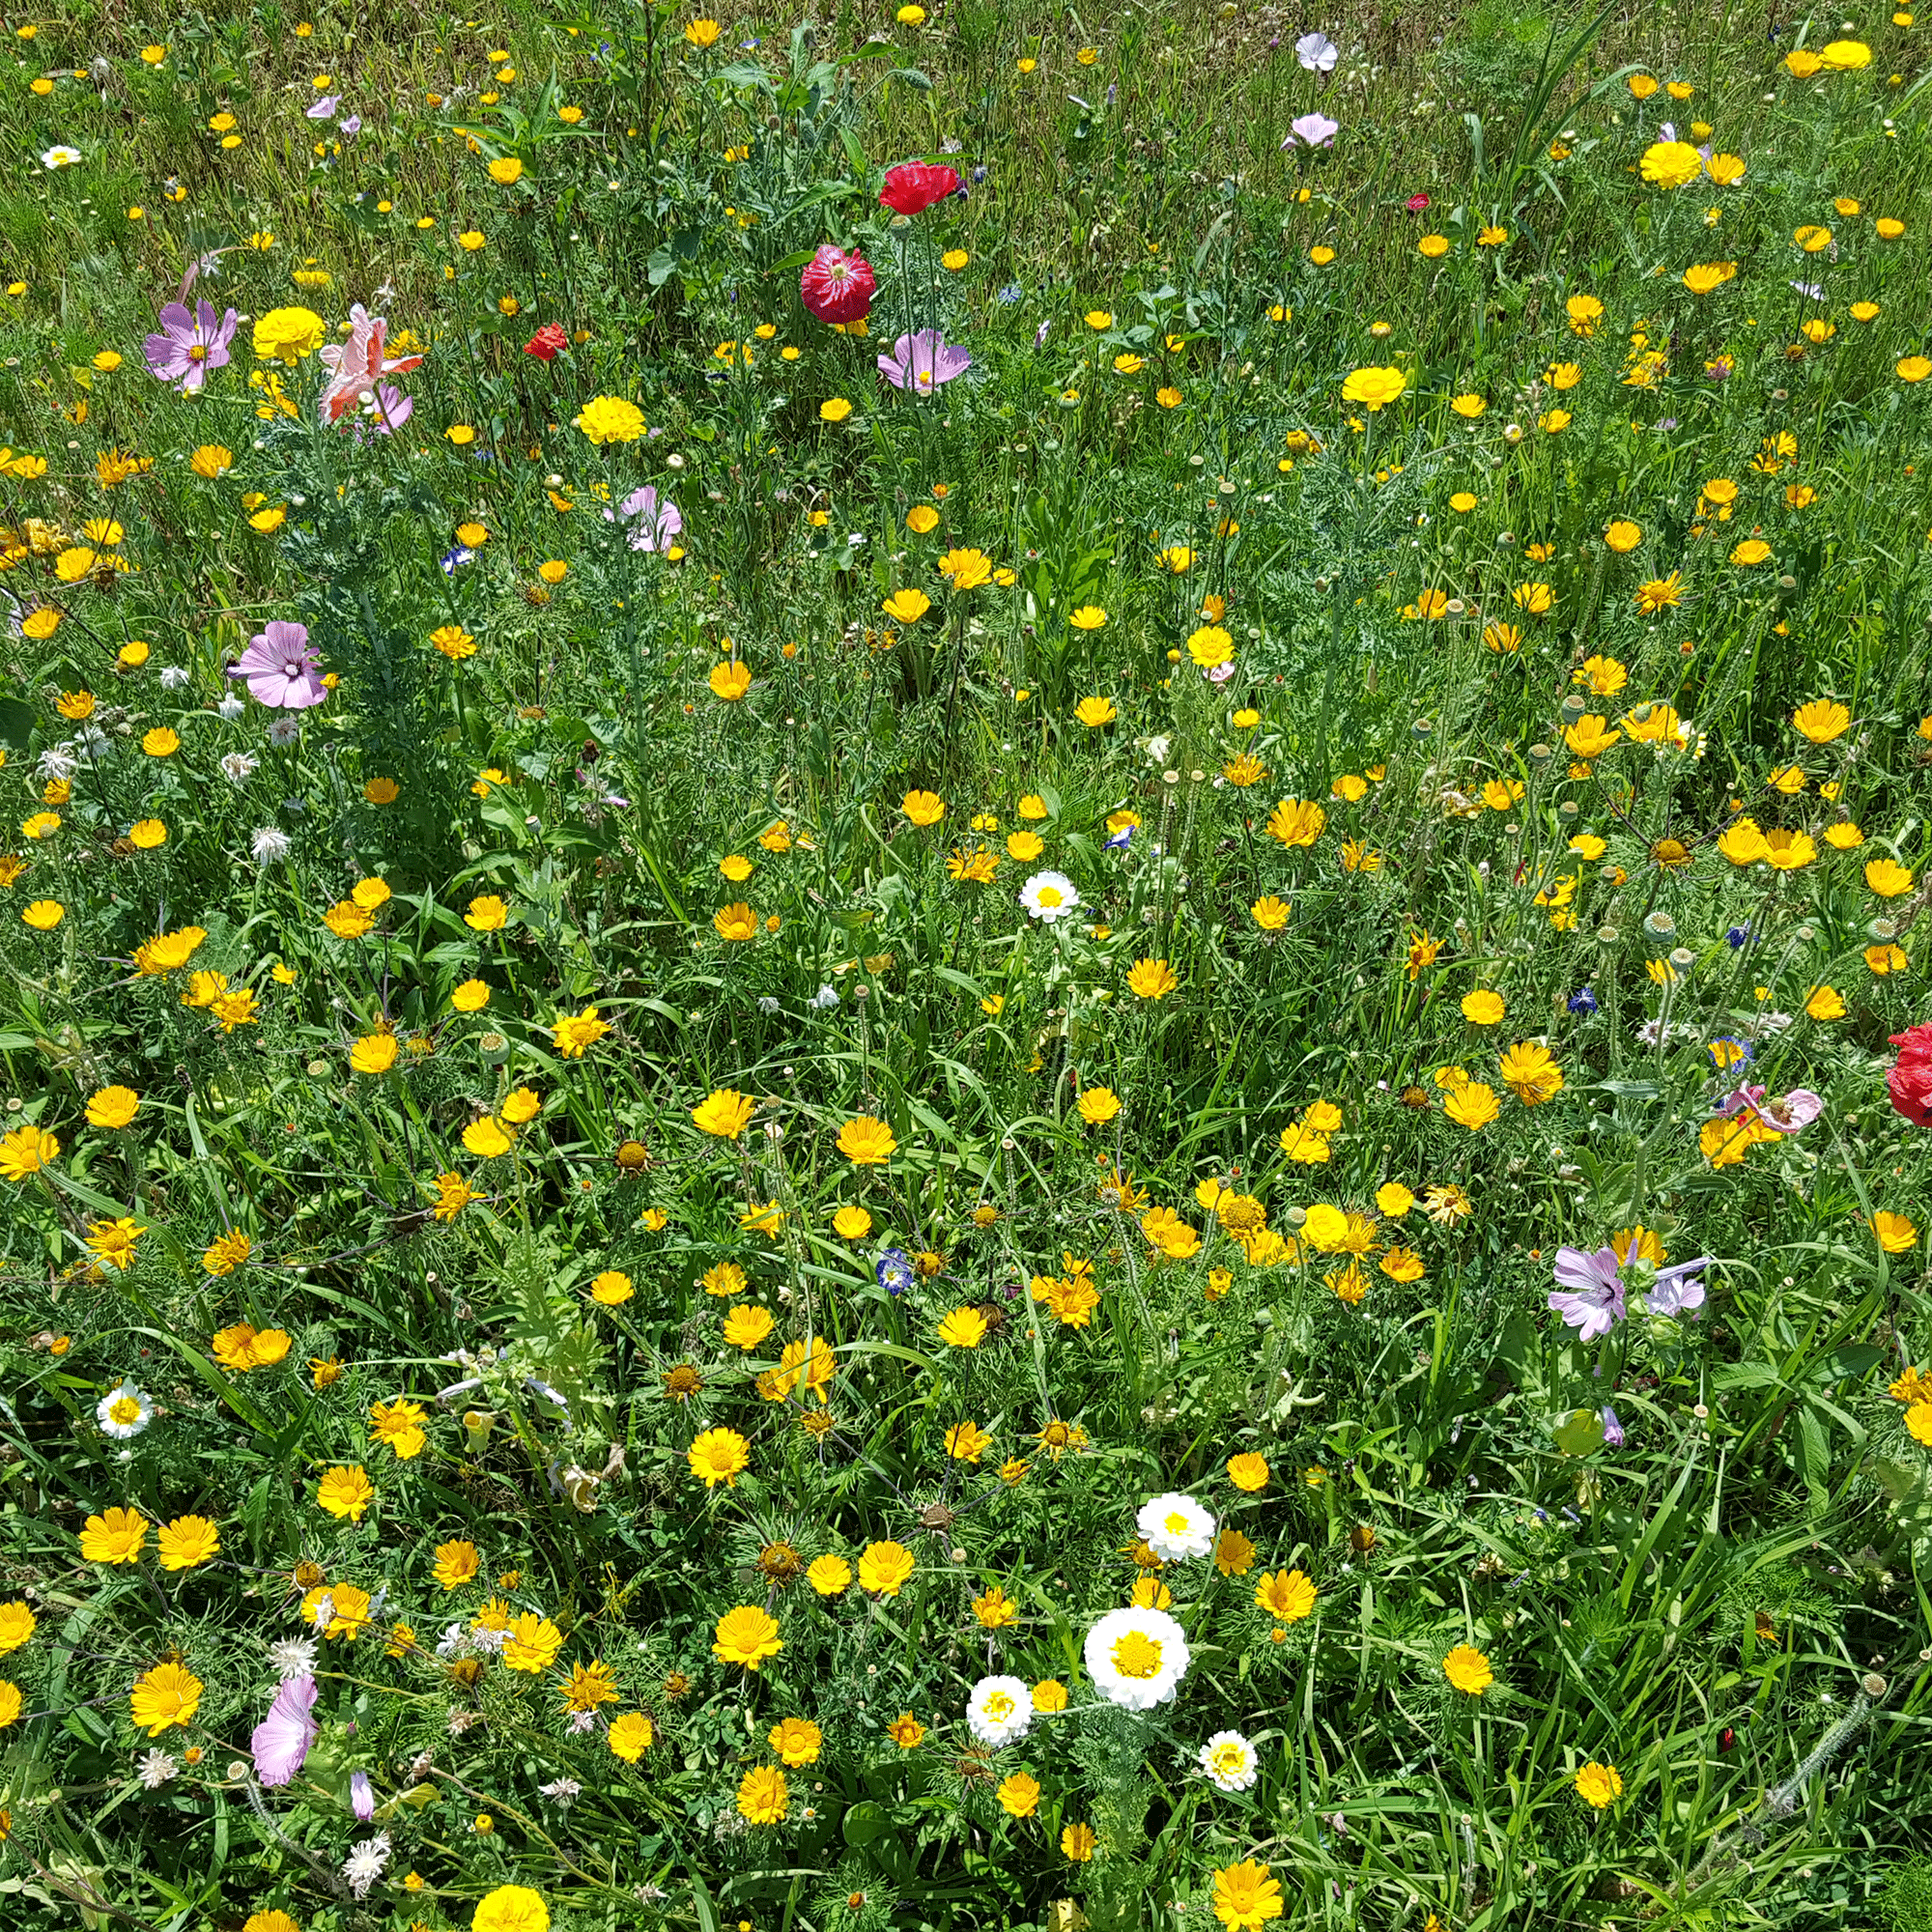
(893, 1271)
(455, 558)
(1739, 936)
(1010, 293)
(1582, 1001)
(1119, 841)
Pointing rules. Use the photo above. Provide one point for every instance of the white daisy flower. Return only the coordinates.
(124, 1413)
(1176, 1527)
(1229, 1760)
(59, 158)
(1049, 896)
(1137, 1658)
(999, 1710)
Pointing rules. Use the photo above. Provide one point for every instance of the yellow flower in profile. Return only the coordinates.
(1088, 617)
(922, 808)
(1078, 1843)
(906, 607)
(1599, 1785)
(1469, 1670)
(1894, 1233)
(735, 924)
(1483, 1008)
(963, 1329)
(487, 1139)
(702, 33)
(506, 171)
(375, 1054)
(1887, 878)
(730, 681)
(1296, 822)
(1825, 1004)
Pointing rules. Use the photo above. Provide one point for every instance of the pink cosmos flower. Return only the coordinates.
(1794, 1110)
(280, 668)
(355, 365)
(924, 361)
(837, 287)
(188, 346)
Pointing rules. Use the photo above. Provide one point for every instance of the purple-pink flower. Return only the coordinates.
(280, 668)
(1589, 1295)
(657, 522)
(1788, 1115)
(1312, 131)
(922, 362)
(282, 1739)
(188, 346)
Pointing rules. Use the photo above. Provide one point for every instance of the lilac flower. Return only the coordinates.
(361, 1796)
(1317, 53)
(351, 126)
(1593, 1297)
(923, 362)
(1312, 131)
(280, 668)
(1788, 1115)
(1039, 335)
(282, 1739)
(189, 346)
(1614, 1428)
(322, 109)
(657, 522)
(1675, 1291)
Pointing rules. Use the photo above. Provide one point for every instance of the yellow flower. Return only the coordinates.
(1469, 1670)
(922, 808)
(1094, 712)
(1599, 1785)
(510, 1908)
(1483, 1008)
(115, 1536)
(866, 1142)
(963, 1329)
(702, 33)
(725, 1113)
(906, 607)
(1895, 1233)
(346, 1491)
(1671, 164)
(1098, 1105)
(719, 1456)
(1246, 1896)
(1248, 1471)
(1375, 388)
(1078, 1843)
(1887, 878)
(1286, 1594)
(729, 681)
(1825, 1004)
(1472, 1106)
(376, 1053)
(506, 171)
(630, 1736)
(746, 1635)
(456, 1563)
(187, 1543)
(1152, 979)
(167, 1695)
(609, 419)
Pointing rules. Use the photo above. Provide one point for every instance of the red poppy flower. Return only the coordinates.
(1909, 1081)
(548, 342)
(837, 287)
(1416, 203)
(916, 187)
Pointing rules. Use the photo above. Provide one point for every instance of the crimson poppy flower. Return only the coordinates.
(546, 344)
(1909, 1081)
(837, 287)
(1416, 203)
(916, 187)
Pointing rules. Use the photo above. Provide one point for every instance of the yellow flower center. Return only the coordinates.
(1137, 1655)
(126, 1410)
(1049, 896)
(999, 1707)
(1175, 1523)
(1228, 1757)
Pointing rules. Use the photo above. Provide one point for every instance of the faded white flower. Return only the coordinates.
(363, 1865)
(268, 845)
(156, 1768)
(238, 767)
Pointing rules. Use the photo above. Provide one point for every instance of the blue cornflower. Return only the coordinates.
(1010, 293)
(1737, 936)
(455, 558)
(1582, 1001)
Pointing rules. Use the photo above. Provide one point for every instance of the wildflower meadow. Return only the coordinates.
(965, 970)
